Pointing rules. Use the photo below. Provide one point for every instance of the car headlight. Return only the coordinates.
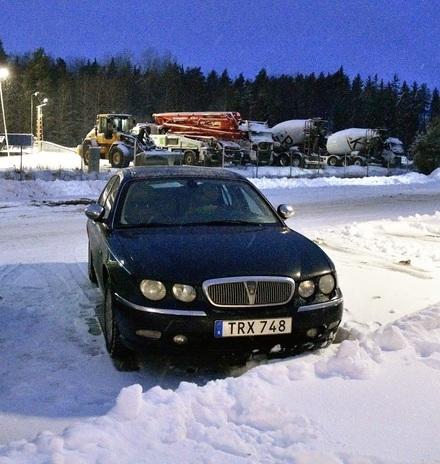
(306, 288)
(184, 293)
(153, 289)
(326, 284)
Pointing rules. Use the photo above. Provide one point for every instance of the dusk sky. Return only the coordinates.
(297, 36)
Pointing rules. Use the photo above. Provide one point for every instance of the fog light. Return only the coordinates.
(180, 339)
(149, 334)
(312, 333)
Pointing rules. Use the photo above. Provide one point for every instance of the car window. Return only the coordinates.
(105, 192)
(110, 199)
(192, 201)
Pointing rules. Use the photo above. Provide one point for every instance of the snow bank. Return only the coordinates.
(74, 183)
(42, 160)
(261, 416)
(291, 183)
(16, 191)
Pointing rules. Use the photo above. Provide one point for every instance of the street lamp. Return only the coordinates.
(40, 121)
(4, 74)
(32, 110)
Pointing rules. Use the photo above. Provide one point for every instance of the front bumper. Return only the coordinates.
(198, 326)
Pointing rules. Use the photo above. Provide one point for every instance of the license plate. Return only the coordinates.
(252, 327)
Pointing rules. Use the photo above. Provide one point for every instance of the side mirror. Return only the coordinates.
(286, 211)
(95, 212)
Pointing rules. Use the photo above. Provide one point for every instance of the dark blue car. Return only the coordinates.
(197, 259)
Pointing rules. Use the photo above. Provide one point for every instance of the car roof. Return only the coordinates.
(146, 172)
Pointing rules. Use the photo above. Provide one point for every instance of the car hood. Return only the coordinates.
(194, 254)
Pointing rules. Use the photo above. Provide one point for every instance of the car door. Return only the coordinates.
(98, 231)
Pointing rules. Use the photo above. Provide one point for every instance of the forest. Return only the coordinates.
(78, 89)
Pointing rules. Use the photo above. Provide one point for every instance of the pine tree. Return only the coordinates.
(434, 110)
(3, 55)
(427, 149)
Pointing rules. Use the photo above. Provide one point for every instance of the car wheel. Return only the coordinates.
(85, 151)
(358, 162)
(117, 159)
(91, 268)
(113, 342)
(189, 157)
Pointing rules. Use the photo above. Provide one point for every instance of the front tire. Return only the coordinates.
(113, 341)
(117, 159)
(189, 158)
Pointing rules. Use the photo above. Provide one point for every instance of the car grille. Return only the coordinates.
(249, 291)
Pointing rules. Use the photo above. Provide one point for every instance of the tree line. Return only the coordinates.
(80, 89)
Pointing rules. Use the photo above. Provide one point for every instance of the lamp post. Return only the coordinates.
(4, 74)
(40, 122)
(32, 110)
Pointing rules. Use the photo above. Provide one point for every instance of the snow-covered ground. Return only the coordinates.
(370, 398)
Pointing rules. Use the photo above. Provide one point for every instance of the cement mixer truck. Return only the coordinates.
(299, 142)
(359, 147)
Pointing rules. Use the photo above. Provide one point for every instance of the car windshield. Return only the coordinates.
(183, 201)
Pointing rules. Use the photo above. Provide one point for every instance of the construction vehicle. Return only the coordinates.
(258, 143)
(361, 146)
(255, 140)
(233, 152)
(120, 140)
(112, 134)
(299, 142)
(221, 125)
(397, 147)
(196, 150)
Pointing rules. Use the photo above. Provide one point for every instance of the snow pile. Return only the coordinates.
(435, 174)
(420, 331)
(262, 416)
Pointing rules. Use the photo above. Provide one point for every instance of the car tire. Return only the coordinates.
(113, 341)
(91, 268)
(358, 162)
(189, 158)
(117, 159)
